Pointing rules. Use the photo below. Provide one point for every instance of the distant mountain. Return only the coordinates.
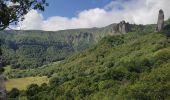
(30, 49)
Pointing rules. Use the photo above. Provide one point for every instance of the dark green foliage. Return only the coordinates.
(14, 13)
(54, 81)
(32, 90)
(1, 69)
(35, 92)
(14, 93)
(151, 86)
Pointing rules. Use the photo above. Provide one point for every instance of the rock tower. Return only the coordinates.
(123, 27)
(160, 23)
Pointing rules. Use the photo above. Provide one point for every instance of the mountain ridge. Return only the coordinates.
(63, 43)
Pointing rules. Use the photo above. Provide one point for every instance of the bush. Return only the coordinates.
(14, 93)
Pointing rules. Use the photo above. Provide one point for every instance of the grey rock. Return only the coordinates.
(160, 23)
(123, 27)
(115, 28)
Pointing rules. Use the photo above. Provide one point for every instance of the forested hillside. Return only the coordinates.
(133, 66)
(30, 49)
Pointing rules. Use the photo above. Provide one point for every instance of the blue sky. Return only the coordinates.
(73, 14)
(70, 8)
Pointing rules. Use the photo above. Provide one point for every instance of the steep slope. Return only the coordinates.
(132, 66)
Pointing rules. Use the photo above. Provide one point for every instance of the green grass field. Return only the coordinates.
(22, 83)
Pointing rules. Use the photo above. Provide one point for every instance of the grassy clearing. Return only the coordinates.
(22, 83)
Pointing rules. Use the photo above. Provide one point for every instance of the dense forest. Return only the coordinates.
(132, 66)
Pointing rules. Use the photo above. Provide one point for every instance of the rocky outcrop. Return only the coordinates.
(124, 27)
(121, 27)
(160, 23)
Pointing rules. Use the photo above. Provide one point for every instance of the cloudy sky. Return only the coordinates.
(72, 14)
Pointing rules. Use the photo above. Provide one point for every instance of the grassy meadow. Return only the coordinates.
(22, 83)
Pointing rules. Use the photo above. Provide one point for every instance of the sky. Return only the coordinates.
(73, 14)
(70, 8)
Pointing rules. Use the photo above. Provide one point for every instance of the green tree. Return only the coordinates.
(55, 81)
(12, 11)
(32, 91)
(14, 93)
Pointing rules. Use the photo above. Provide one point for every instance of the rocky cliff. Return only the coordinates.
(122, 27)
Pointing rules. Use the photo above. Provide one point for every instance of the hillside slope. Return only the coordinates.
(30, 49)
(133, 66)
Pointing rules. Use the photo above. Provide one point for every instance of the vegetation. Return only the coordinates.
(134, 66)
(45, 70)
(31, 49)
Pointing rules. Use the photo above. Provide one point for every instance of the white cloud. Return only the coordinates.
(33, 21)
(133, 11)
